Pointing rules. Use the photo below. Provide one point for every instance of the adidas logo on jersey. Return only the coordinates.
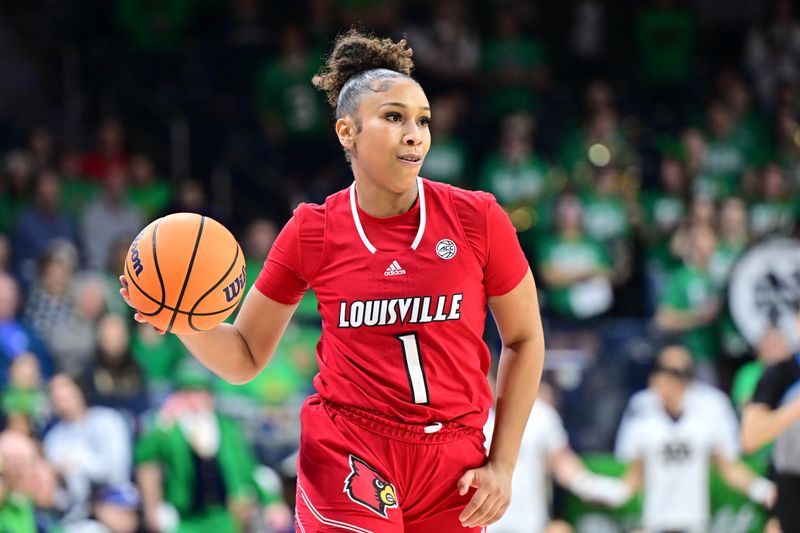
(395, 270)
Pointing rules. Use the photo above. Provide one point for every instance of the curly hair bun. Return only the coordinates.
(355, 52)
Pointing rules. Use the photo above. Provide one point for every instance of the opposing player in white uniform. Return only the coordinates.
(545, 450)
(671, 448)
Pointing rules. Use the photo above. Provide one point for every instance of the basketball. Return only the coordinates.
(185, 273)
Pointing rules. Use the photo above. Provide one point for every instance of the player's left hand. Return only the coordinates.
(491, 499)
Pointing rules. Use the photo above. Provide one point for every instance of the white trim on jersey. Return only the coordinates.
(421, 229)
(328, 521)
(360, 228)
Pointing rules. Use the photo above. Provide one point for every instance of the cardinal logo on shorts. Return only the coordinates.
(367, 487)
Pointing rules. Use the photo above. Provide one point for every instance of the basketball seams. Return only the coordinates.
(188, 273)
(211, 289)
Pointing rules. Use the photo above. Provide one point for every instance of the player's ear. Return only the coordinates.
(346, 131)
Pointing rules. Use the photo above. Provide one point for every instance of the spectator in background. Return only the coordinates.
(691, 303)
(729, 154)
(733, 240)
(25, 396)
(665, 38)
(607, 219)
(72, 339)
(448, 159)
(109, 217)
(15, 338)
(149, 193)
(15, 186)
(191, 197)
(671, 447)
(588, 38)
(158, 356)
(787, 149)
(41, 148)
(193, 465)
(514, 172)
(115, 509)
(109, 155)
(663, 209)
(599, 142)
(291, 112)
(87, 446)
(51, 299)
(575, 273)
(772, 51)
(749, 123)
(776, 208)
(515, 64)
(115, 379)
(16, 510)
(40, 225)
(29, 474)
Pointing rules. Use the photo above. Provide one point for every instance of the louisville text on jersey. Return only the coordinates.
(413, 310)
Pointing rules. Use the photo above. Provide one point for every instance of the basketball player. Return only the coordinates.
(403, 269)
(670, 450)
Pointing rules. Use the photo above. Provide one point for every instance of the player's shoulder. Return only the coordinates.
(464, 197)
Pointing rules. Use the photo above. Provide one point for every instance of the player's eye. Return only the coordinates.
(425, 122)
(393, 117)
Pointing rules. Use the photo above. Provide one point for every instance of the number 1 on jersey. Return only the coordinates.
(414, 369)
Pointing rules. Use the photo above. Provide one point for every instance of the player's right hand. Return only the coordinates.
(137, 316)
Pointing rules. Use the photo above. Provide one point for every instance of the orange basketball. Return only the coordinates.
(185, 273)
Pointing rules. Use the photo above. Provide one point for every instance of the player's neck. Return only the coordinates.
(380, 203)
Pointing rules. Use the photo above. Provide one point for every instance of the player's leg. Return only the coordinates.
(342, 483)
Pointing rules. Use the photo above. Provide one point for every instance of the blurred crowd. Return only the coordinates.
(638, 151)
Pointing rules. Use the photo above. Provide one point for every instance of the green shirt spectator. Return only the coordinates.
(689, 291)
(577, 256)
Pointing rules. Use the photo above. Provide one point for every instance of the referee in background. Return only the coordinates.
(774, 415)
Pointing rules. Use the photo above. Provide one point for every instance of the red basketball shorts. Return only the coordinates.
(360, 472)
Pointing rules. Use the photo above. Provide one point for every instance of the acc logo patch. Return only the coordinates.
(367, 487)
(446, 249)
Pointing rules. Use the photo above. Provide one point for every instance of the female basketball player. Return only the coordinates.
(403, 269)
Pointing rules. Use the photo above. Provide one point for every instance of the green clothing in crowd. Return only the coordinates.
(17, 515)
(689, 289)
(447, 161)
(662, 213)
(665, 38)
(166, 446)
(512, 184)
(578, 255)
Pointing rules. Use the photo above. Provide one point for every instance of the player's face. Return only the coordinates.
(394, 137)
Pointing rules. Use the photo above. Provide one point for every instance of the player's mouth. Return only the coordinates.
(413, 160)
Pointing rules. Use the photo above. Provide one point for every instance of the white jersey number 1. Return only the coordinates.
(414, 369)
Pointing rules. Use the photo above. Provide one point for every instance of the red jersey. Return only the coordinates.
(402, 299)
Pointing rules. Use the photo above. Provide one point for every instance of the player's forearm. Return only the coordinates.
(761, 425)
(518, 377)
(224, 351)
(741, 478)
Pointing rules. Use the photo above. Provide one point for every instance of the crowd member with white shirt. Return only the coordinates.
(545, 450)
(670, 450)
(88, 446)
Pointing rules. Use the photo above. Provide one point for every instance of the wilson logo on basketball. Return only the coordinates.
(233, 289)
(135, 260)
